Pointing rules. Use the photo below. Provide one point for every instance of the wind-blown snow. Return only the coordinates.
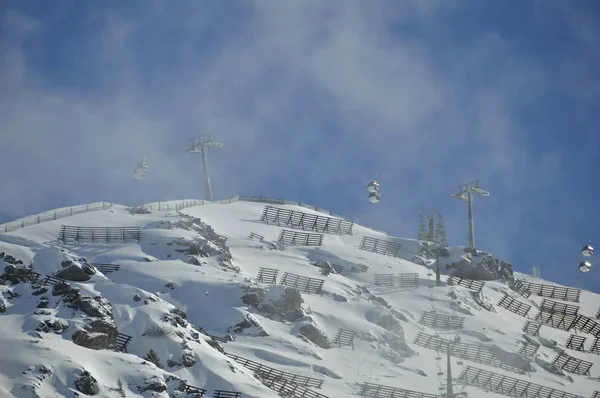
(157, 271)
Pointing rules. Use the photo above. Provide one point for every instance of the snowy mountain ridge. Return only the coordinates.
(211, 298)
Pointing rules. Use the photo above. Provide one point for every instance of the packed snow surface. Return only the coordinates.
(181, 265)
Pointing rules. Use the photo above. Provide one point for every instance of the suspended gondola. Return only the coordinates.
(140, 170)
(373, 188)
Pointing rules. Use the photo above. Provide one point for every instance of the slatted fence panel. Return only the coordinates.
(513, 305)
(344, 338)
(268, 372)
(370, 390)
(226, 394)
(553, 292)
(587, 325)
(572, 364)
(436, 320)
(106, 268)
(291, 390)
(306, 221)
(509, 386)
(267, 275)
(295, 238)
(302, 283)
(576, 342)
(532, 328)
(78, 234)
(380, 246)
(557, 320)
(468, 283)
(474, 352)
(561, 308)
(529, 349)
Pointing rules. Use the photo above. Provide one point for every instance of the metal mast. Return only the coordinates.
(201, 145)
(465, 193)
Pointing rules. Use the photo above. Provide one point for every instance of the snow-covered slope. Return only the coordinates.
(183, 283)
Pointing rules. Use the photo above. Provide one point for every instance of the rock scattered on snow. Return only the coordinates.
(312, 333)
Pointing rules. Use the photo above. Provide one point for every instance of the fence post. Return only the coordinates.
(158, 206)
(71, 212)
(87, 207)
(38, 219)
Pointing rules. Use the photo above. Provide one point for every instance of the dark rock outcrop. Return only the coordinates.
(312, 333)
(74, 273)
(87, 384)
(98, 335)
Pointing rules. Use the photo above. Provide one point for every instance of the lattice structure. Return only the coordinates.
(587, 325)
(528, 349)
(99, 234)
(595, 349)
(380, 246)
(598, 314)
(403, 281)
(194, 391)
(302, 283)
(596, 394)
(572, 364)
(576, 342)
(431, 232)
(557, 320)
(295, 238)
(561, 308)
(370, 390)
(513, 305)
(344, 338)
(553, 292)
(291, 390)
(474, 352)
(435, 320)
(532, 328)
(509, 386)
(267, 275)
(226, 394)
(107, 268)
(306, 221)
(468, 283)
(122, 342)
(518, 287)
(269, 373)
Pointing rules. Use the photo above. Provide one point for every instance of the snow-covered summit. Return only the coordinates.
(210, 298)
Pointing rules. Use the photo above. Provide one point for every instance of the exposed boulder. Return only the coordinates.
(16, 273)
(87, 384)
(188, 359)
(98, 335)
(73, 272)
(479, 265)
(153, 383)
(279, 302)
(312, 333)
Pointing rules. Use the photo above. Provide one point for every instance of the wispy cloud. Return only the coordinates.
(310, 98)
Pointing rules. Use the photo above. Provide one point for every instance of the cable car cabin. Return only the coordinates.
(140, 171)
(373, 186)
(585, 266)
(374, 197)
(587, 251)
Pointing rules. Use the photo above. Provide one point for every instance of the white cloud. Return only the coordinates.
(302, 94)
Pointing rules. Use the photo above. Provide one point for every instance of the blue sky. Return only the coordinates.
(311, 99)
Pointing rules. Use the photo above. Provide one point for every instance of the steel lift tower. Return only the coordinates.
(465, 193)
(201, 145)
